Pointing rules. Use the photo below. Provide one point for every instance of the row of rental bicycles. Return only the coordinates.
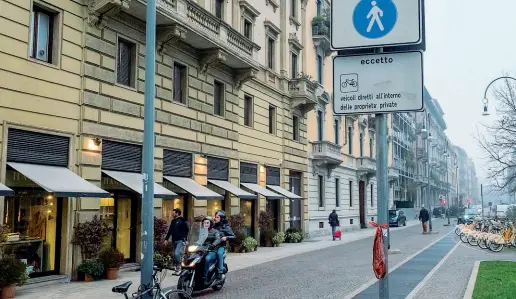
(490, 234)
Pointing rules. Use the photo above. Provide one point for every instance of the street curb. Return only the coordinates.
(366, 285)
(425, 280)
(472, 280)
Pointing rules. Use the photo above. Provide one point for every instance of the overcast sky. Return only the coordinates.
(469, 43)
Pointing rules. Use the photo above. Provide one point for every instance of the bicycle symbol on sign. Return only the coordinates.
(349, 83)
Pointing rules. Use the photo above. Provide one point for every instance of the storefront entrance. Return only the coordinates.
(169, 204)
(35, 220)
(295, 204)
(362, 203)
(248, 210)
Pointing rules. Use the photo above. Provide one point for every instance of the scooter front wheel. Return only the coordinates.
(186, 284)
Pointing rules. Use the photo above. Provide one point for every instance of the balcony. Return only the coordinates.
(371, 123)
(366, 167)
(421, 154)
(214, 40)
(325, 153)
(392, 174)
(321, 34)
(302, 93)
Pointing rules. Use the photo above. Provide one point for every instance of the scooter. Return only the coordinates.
(192, 271)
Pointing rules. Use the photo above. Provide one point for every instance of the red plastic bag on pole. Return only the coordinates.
(379, 266)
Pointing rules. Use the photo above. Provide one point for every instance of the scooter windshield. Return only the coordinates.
(198, 234)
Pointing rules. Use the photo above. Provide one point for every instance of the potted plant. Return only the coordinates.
(250, 244)
(92, 269)
(237, 224)
(162, 249)
(111, 259)
(13, 273)
(278, 239)
(89, 236)
(293, 235)
(266, 225)
(268, 236)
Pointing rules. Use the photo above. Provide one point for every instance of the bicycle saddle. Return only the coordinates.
(122, 288)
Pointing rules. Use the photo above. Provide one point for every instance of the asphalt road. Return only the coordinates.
(327, 273)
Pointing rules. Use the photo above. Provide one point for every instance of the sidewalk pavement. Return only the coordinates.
(235, 261)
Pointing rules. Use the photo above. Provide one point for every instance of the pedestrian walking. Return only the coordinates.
(424, 216)
(333, 220)
(178, 231)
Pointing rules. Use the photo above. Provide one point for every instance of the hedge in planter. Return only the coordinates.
(266, 225)
(12, 273)
(112, 260)
(90, 236)
(92, 269)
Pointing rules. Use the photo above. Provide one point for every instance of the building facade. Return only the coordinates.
(230, 129)
(341, 159)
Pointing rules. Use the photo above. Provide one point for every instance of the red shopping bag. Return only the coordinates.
(379, 266)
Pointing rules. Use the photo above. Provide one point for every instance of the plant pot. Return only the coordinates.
(88, 278)
(9, 291)
(268, 243)
(112, 273)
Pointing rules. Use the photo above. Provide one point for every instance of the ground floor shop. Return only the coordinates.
(43, 199)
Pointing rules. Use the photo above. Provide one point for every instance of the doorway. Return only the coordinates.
(295, 204)
(120, 212)
(273, 206)
(362, 204)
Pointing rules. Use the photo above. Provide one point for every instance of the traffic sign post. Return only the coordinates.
(378, 83)
(375, 23)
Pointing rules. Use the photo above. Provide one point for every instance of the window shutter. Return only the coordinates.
(248, 173)
(37, 148)
(218, 169)
(177, 163)
(121, 156)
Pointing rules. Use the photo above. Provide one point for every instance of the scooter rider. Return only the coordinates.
(212, 242)
(222, 225)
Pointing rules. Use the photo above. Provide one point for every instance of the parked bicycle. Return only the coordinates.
(488, 234)
(155, 291)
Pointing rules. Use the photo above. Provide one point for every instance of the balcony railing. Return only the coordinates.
(327, 151)
(302, 92)
(366, 165)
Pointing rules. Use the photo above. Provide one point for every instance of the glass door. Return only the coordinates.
(124, 225)
(295, 204)
(247, 210)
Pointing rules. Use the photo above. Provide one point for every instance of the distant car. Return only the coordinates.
(397, 218)
(467, 216)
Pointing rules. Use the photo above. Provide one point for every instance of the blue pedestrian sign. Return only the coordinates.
(360, 24)
(375, 18)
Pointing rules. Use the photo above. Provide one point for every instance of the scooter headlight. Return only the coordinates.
(190, 263)
(193, 248)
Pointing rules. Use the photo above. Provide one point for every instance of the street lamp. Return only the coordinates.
(485, 101)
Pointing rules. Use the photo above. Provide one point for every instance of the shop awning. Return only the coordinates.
(232, 189)
(5, 191)
(284, 192)
(60, 181)
(192, 187)
(134, 181)
(262, 191)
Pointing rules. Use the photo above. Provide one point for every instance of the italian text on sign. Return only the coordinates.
(378, 83)
(375, 23)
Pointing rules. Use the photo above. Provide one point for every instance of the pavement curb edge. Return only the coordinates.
(472, 280)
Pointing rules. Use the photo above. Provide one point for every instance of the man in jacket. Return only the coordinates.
(424, 216)
(178, 231)
(333, 220)
(222, 225)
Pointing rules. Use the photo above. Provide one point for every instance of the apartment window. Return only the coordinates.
(350, 141)
(336, 128)
(319, 7)
(294, 65)
(272, 120)
(361, 140)
(293, 8)
(180, 88)
(248, 111)
(350, 193)
(248, 29)
(372, 198)
(319, 69)
(320, 190)
(219, 8)
(218, 98)
(320, 123)
(295, 128)
(337, 193)
(371, 147)
(42, 34)
(126, 67)
(270, 52)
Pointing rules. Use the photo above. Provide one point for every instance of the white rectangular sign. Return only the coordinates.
(375, 23)
(378, 83)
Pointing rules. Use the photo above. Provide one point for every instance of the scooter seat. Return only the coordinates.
(123, 288)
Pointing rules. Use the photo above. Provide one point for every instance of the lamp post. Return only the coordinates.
(485, 101)
(428, 137)
(447, 157)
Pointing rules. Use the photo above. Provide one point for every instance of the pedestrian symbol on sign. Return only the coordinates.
(376, 18)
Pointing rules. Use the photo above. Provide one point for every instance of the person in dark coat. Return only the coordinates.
(222, 225)
(333, 220)
(178, 231)
(424, 216)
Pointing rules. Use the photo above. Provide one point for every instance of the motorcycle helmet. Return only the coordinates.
(222, 215)
(210, 219)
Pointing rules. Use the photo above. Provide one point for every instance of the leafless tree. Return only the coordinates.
(499, 139)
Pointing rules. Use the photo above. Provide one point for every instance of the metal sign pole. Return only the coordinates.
(148, 151)
(382, 158)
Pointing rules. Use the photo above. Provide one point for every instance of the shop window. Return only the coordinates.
(247, 210)
(213, 206)
(168, 206)
(35, 221)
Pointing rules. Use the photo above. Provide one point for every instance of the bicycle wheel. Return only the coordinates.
(495, 247)
(171, 294)
(463, 237)
(482, 244)
(457, 231)
(472, 241)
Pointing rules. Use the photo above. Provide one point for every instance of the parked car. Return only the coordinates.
(467, 216)
(397, 218)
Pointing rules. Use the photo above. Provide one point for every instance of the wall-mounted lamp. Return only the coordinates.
(203, 156)
(94, 143)
(262, 169)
